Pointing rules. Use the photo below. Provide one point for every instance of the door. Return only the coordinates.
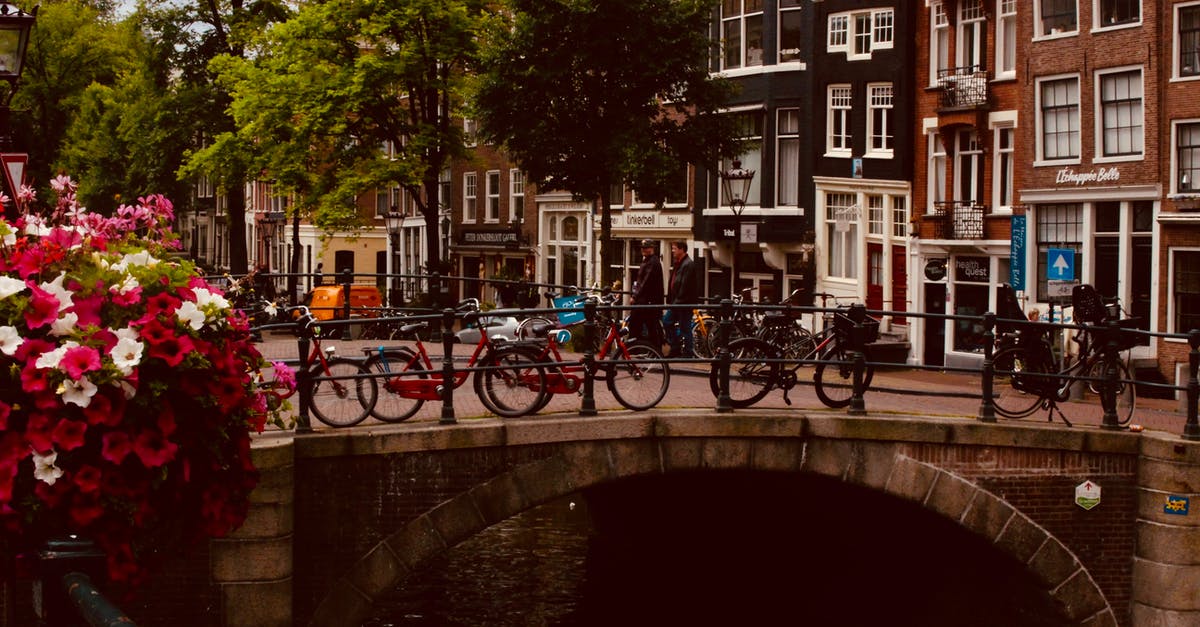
(899, 284)
(875, 276)
(934, 353)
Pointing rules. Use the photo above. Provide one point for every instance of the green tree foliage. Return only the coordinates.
(585, 94)
(329, 88)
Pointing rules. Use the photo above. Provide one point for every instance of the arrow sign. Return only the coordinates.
(14, 170)
(1061, 264)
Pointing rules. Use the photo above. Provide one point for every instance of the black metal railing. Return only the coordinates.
(957, 219)
(963, 87)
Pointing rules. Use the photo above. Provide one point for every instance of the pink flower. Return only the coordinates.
(116, 446)
(43, 308)
(80, 360)
(68, 434)
(87, 479)
(153, 449)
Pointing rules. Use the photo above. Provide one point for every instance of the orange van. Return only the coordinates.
(327, 301)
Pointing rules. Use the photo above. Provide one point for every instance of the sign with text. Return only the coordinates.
(1087, 495)
(972, 269)
(1016, 251)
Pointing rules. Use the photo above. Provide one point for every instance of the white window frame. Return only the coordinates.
(740, 19)
(1172, 306)
(1101, 128)
(939, 42)
(839, 105)
(900, 216)
(492, 184)
(516, 193)
(845, 251)
(968, 166)
(880, 97)
(787, 174)
(787, 7)
(1194, 185)
(1003, 167)
(1006, 39)
(850, 31)
(972, 19)
(1039, 128)
(1177, 45)
(470, 197)
(936, 175)
(1099, 23)
(1039, 31)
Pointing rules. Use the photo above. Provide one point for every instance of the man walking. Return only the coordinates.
(682, 288)
(648, 290)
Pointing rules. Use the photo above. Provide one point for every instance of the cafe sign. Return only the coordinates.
(631, 220)
(1068, 176)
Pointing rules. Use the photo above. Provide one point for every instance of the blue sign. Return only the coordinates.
(1060, 264)
(1176, 505)
(1016, 251)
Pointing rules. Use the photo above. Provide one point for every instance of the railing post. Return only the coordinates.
(347, 279)
(1191, 428)
(1112, 375)
(303, 381)
(858, 313)
(987, 405)
(724, 328)
(448, 367)
(58, 558)
(587, 406)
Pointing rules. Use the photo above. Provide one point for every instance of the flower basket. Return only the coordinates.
(128, 390)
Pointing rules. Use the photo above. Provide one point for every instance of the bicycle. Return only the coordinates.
(633, 370)
(332, 399)
(506, 381)
(1028, 377)
(760, 366)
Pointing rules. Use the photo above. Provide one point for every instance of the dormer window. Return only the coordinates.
(858, 33)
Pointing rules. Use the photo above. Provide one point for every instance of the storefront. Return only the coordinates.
(631, 226)
(564, 240)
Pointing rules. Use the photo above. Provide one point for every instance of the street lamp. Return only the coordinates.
(735, 182)
(392, 221)
(15, 25)
(446, 237)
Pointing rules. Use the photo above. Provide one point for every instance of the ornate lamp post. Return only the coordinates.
(15, 25)
(735, 182)
(393, 220)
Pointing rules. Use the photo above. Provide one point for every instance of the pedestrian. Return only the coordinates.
(320, 278)
(648, 290)
(682, 288)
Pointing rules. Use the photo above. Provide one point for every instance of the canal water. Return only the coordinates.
(737, 550)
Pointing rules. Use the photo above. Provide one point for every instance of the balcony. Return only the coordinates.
(957, 219)
(963, 88)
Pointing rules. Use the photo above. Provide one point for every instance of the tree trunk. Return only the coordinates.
(238, 260)
(294, 270)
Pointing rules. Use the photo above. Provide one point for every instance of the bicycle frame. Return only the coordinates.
(429, 389)
(564, 380)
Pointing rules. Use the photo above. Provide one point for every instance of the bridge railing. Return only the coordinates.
(726, 312)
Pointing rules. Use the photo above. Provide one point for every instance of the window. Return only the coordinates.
(937, 170)
(837, 142)
(1059, 105)
(790, 24)
(879, 120)
(516, 194)
(742, 33)
(1003, 164)
(969, 167)
(1121, 113)
(787, 159)
(939, 42)
(841, 227)
(899, 216)
(1057, 16)
(470, 196)
(1006, 39)
(1187, 158)
(859, 33)
(972, 34)
(1185, 290)
(875, 216)
(750, 127)
(470, 127)
(1058, 226)
(1117, 12)
(1188, 40)
(383, 201)
(493, 196)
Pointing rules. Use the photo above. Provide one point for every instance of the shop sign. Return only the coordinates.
(488, 237)
(1016, 270)
(972, 269)
(935, 269)
(651, 220)
(1068, 176)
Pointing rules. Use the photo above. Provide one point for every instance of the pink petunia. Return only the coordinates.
(153, 449)
(69, 434)
(87, 479)
(80, 360)
(88, 309)
(5, 412)
(106, 409)
(39, 432)
(171, 350)
(43, 308)
(116, 446)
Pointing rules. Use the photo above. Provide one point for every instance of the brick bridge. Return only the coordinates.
(343, 517)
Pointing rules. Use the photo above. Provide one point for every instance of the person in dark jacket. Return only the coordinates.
(682, 288)
(648, 290)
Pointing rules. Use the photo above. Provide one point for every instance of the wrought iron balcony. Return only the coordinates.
(963, 87)
(957, 219)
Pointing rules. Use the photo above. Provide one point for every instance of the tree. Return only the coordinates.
(584, 94)
(341, 79)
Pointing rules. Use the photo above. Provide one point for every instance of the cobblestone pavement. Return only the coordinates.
(906, 391)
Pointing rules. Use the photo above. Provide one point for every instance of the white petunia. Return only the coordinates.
(127, 285)
(10, 286)
(78, 392)
(125, 333)
(44, 469)
(204, 298)
(51, 359)
(127, 354)
(140, 258)
(10, 339)
(65, 325)
(126, 388)
(189, 314)
(56, 288)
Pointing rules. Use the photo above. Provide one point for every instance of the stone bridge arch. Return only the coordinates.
(885, 466)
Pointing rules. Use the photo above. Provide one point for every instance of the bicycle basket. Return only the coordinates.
(574, 307)
(844, 324)
(1089, 307)
(1127, 338)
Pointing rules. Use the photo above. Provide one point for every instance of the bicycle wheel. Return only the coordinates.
(342, 402)
(793, 340)
(638, 384)
(1126, 394)
(750, 376)
(834, 377)
(525, 328)
(704, 337)
(1016, 388)
(511, 385)
(390, 404)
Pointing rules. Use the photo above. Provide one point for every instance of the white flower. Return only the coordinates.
(127, 285)
(56, 288)
(189, 314)
(78, 392)
(127, 354)
(204, 298)
(44, 469)
(271, 310)
(50, 359)
(10, 339)
(10, 286)
(36, 225)
(125, 333)
(140, 258)
(126, 388)
(65, 325)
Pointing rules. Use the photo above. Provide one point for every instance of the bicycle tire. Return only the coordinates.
(342, 402)
(390, 405)
(1126, 393)
(1016, 391)
(704, 335)
(750, 376)
(511, 385)
(525, 328)
(637, 385)
(834, 377)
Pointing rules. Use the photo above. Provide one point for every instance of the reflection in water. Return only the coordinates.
(736, 549)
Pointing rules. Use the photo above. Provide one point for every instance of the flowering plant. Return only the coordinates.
(127, 387)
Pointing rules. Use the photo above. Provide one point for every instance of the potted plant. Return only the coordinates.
(128, 390)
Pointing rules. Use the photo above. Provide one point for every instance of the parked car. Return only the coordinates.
(502, 326)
